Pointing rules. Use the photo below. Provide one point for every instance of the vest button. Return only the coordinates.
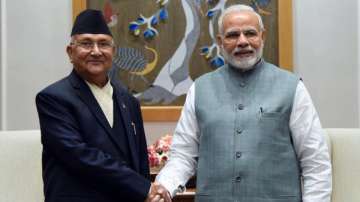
(238, 179)
(242, 84)
(240, 106)
(238, 155)
(239, 131)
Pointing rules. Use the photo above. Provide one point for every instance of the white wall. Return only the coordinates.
(326, 43)
(326, 51)
(358, 46)
(1, 61)
(36, 35)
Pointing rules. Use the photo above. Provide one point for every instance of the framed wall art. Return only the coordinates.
(164, 45)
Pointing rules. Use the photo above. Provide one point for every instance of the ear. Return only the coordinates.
(263, 35)
(219, 40)
(69, 51)
(114, 50)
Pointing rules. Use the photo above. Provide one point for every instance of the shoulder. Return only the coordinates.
(61, 92)
(58, 87)
(132, 99)
(281, 72)
(125, 94)
(210, 75)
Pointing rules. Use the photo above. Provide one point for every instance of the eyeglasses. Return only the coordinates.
(89, 45)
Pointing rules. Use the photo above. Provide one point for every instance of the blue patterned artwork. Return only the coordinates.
(164, 45)
(150, 32)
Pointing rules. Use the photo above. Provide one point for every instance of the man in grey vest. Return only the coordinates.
(248, 129)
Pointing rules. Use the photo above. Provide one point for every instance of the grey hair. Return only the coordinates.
(238, 8)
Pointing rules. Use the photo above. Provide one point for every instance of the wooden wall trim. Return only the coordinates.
(77, 7)
(285, 34)
(157, 114)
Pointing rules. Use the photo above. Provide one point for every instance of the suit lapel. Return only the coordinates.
(84, 92)
(128, 124)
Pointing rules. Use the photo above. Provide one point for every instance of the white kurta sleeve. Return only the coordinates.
(311, 149)
(184, 149)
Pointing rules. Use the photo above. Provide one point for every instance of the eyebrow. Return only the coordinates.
(235, 30)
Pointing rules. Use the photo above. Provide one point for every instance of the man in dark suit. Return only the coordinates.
(94, 147)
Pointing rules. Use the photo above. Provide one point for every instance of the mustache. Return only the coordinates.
(241, 50)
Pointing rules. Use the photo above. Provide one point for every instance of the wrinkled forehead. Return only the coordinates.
(92, 37)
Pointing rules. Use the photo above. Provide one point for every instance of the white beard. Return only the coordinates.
(245, 63)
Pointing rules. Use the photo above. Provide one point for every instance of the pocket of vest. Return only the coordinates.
(287, 196)
(266, 113)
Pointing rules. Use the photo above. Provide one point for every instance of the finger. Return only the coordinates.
(156, 198)
(160, 191)
(161, 200)
(151, 195)
(168, 197)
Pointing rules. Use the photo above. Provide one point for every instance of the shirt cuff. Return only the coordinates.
(171, 185)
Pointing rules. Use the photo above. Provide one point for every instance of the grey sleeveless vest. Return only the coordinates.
(246, 152)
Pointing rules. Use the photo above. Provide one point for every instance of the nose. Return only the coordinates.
(95, 50)
(242, 41)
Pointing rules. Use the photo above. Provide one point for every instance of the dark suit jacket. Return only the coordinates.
(82, 159)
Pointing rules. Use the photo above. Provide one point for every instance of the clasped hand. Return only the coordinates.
(158, 193)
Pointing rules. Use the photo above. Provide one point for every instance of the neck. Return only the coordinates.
(99, 81)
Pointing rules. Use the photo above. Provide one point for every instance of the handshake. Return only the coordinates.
(158, 193)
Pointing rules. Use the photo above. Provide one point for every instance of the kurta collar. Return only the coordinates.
(107, 89)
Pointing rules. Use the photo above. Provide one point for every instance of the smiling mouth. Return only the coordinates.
(95, 61)
(244, 53)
